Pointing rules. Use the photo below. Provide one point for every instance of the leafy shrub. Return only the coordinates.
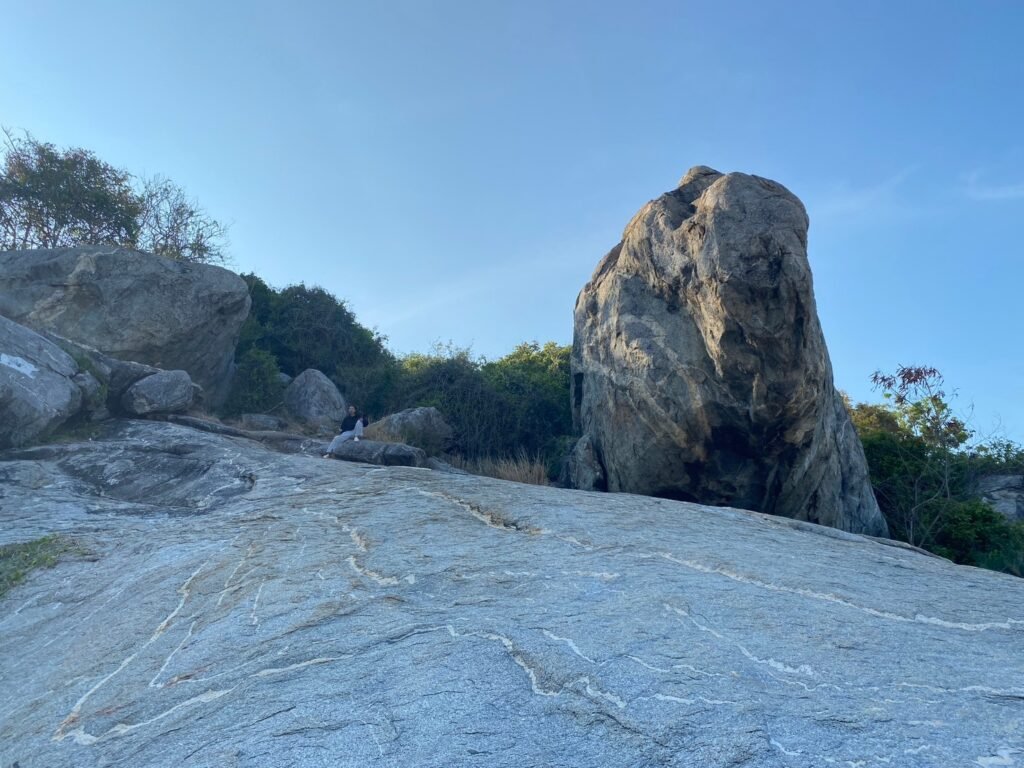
(256, 386)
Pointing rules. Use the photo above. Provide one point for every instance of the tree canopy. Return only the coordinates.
(56, 198)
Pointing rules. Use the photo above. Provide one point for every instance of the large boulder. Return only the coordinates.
(699, 368)
(131, 306)
(313, 400)
(38, 389)
(422, 427)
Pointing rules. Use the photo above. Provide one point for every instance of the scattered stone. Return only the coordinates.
(313, 400)
(163, 392)
(699, 368)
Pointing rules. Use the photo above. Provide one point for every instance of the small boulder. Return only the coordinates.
(422, 427)
(37, 388)
(313, 400)
(163, 392)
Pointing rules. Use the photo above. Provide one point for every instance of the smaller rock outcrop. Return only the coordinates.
(313, 400)
(38, 390)
(422, 427)
(384, 454)
(1004, 493)
(163, 392)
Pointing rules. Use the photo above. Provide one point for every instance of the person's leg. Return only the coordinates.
(358, 431)
(336, 442)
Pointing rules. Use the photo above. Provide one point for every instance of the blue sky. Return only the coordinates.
(455, 170)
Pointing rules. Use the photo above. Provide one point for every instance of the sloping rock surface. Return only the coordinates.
(291, 611)
(699, 367)
(131, 306)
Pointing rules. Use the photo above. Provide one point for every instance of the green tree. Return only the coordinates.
(51, 198)
(172, 225)
(307, 327)
(923, 471)
(924, 445)
(56, 198)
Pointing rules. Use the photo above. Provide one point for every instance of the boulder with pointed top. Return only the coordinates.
(699, 367)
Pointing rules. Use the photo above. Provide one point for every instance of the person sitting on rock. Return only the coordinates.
(351, 429)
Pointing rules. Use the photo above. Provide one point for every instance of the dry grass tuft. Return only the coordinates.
(520, 468)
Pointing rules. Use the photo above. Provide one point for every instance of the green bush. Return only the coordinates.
(256, 386)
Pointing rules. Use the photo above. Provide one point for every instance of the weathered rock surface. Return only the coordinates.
(383, 454)
(162, 392)
(131, 306)
(38, 390)
(1004, 493)
(699, 367)
(422, 427)
(241, 607)
(263, 421)
(313, 399)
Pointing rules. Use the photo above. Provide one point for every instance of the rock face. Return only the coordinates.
(384, 454)
(238, 607)
(699, 367)
(312, 399)
(422, 427)
(162, 392)
(1004, 493)
(38, 390)
(131, 306)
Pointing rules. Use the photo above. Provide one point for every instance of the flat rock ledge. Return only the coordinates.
(241, 607)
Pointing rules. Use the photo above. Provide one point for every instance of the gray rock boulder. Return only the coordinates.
(131, 306)
(113, 376)
(225, 605)
(383, 454)
(163, 392)
(582, 469)
(38, 390)
(423, 427)
(1004, 493)
(699, 368)
(313, 400)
